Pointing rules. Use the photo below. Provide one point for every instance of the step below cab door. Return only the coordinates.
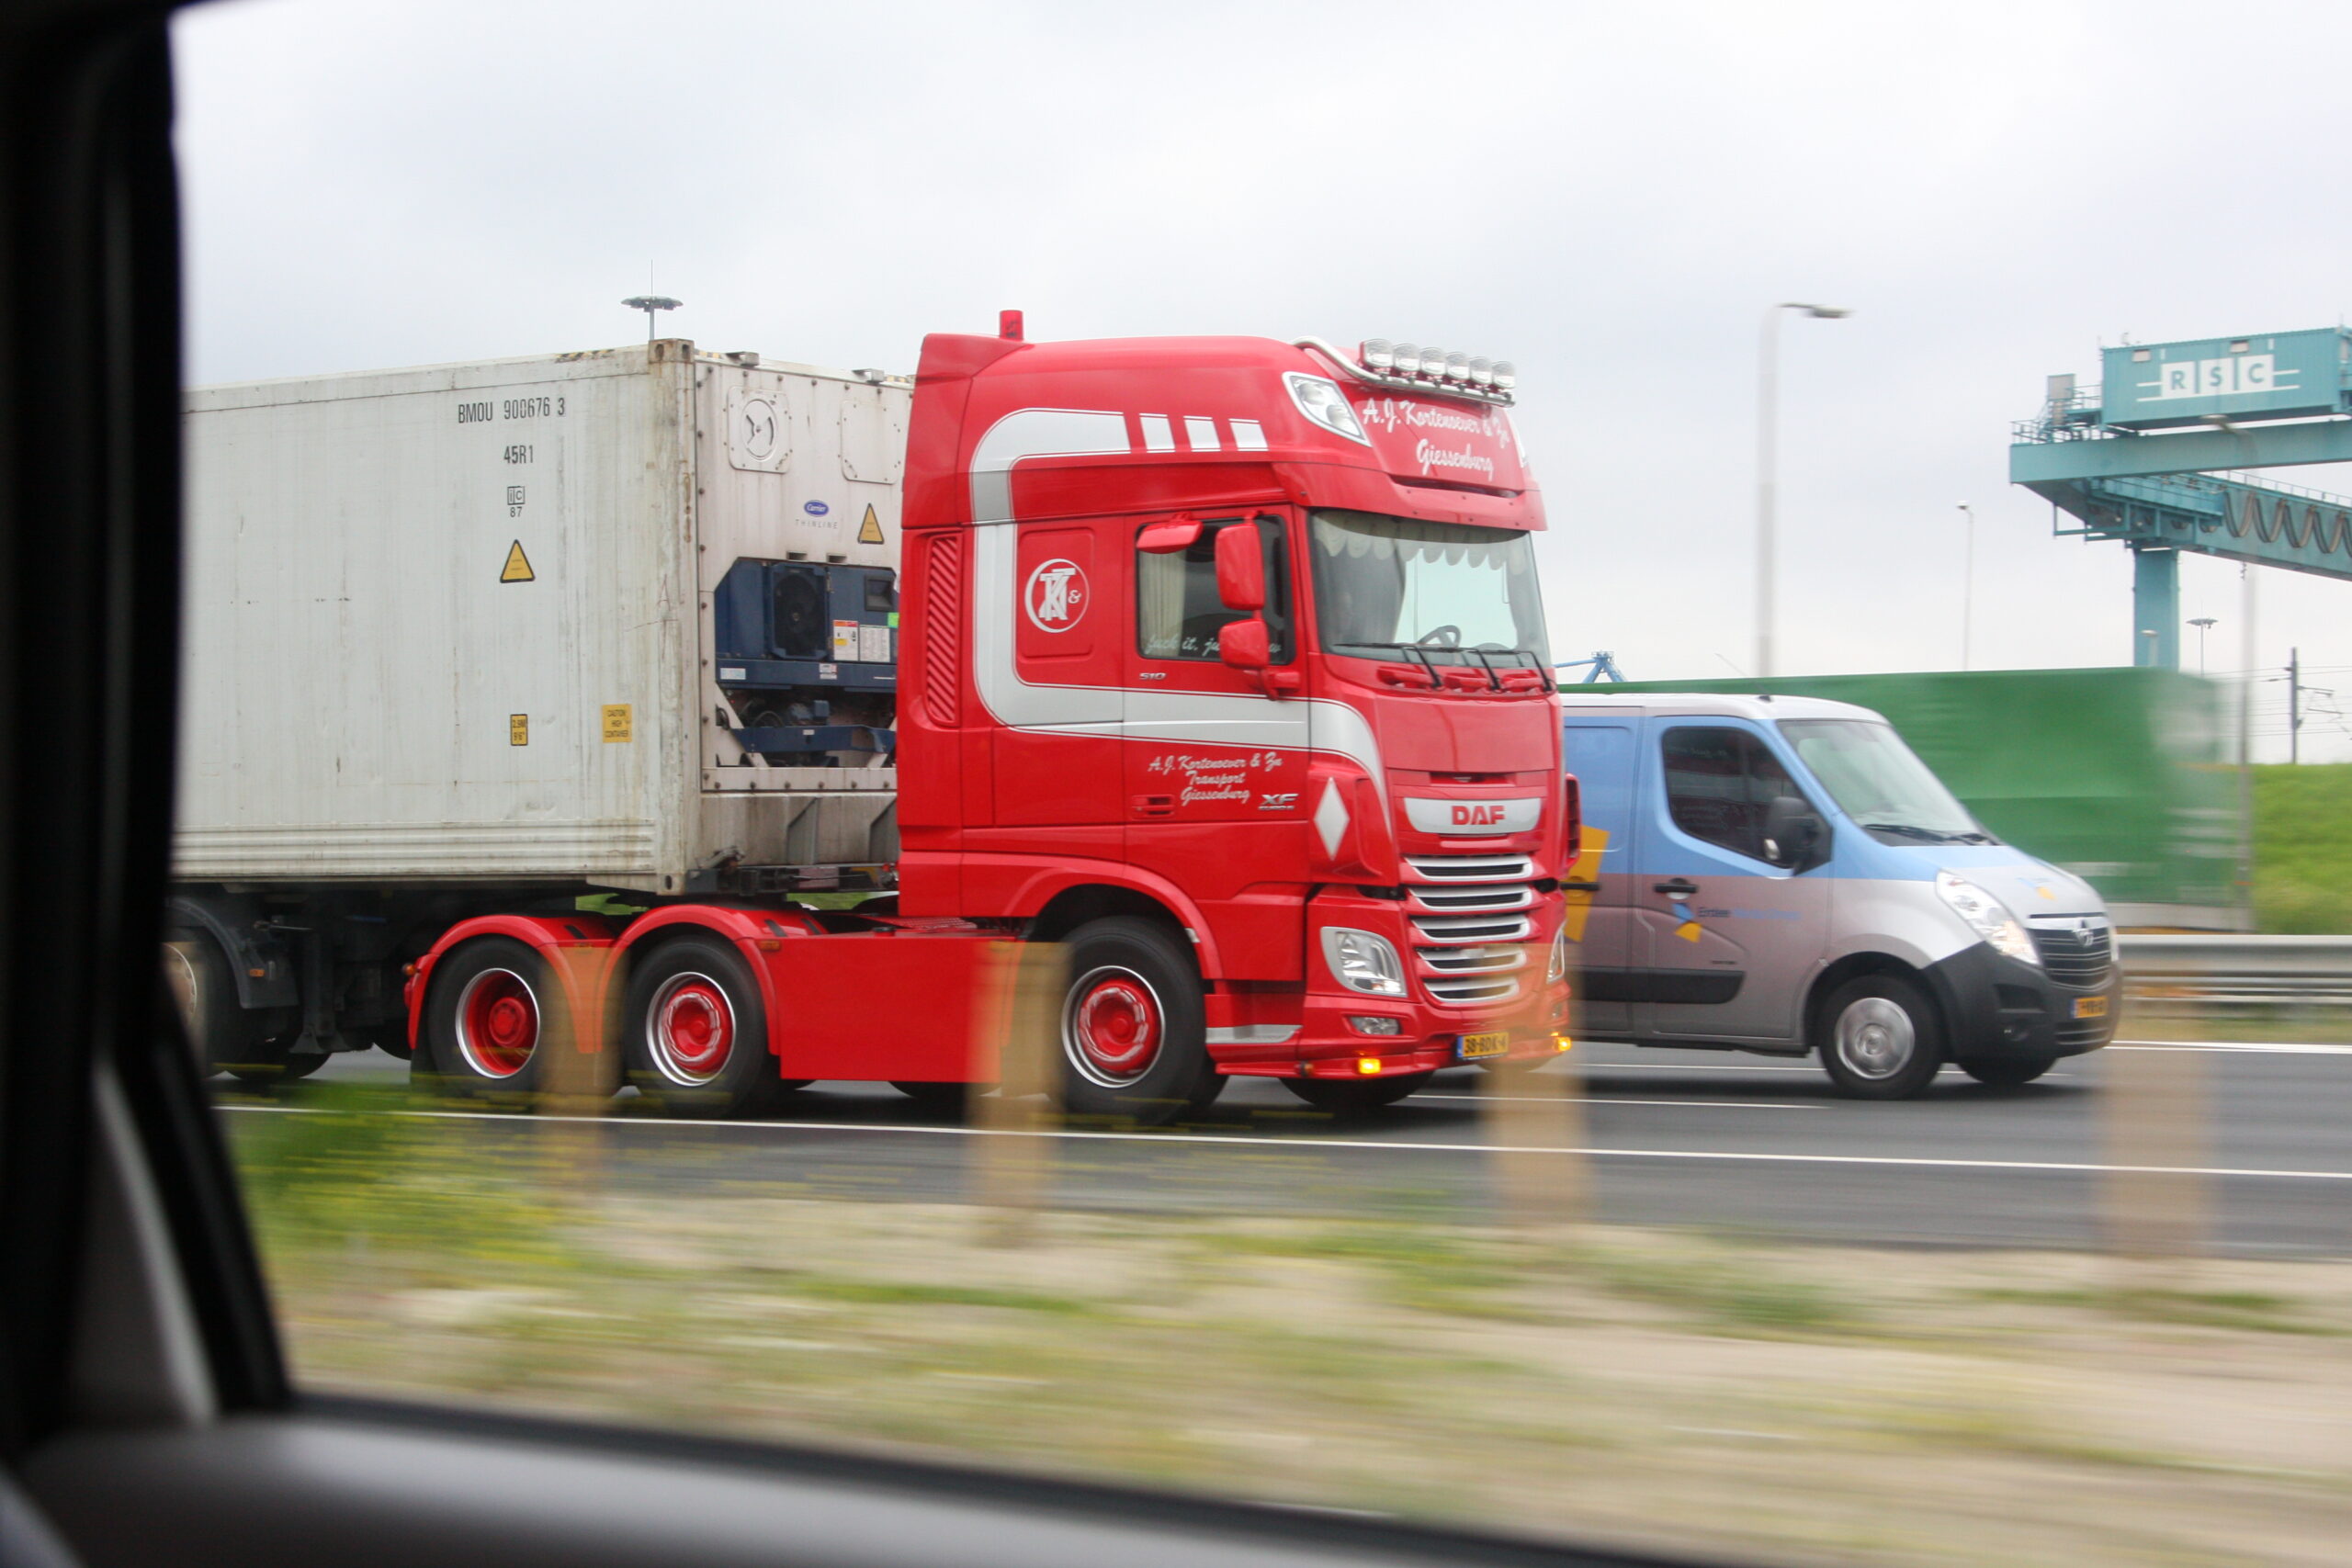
(1728, 941)
(1601, 749)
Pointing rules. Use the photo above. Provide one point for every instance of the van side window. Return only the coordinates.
(1718, 784)
(1178, 613)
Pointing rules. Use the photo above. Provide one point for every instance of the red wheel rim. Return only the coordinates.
(1113, 1027)
(498, 1024)
(691, 1027)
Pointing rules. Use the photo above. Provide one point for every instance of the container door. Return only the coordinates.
(1729, 941)
(1216, 766)
(1602, 753)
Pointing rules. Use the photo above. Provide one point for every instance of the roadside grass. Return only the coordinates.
(1704, 1393)
(2302, 848)
(2249, 1311)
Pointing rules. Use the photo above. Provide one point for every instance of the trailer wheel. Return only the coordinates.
(225, 1036)
(1881, 1039)
(492, 1020)
(696, 1033)
(1135, 1045)
(1346, 1097)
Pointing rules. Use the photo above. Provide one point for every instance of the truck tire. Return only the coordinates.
(1134, 1042)
(225, 1036)
(1881, 1037)
(2006, 1072)
(694, 1032)
(493, 1018)
(1349, 1097)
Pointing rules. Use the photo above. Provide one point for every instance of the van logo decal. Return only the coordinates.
(1056, 595)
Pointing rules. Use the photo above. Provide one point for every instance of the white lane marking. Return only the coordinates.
(2079, 1167)
(1613, 1100)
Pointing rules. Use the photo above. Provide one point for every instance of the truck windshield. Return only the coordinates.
(1881, 782)
(1394, 588)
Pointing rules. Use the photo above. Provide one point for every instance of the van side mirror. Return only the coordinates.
(1242, 570)
(1794, 833)
(1243, 644)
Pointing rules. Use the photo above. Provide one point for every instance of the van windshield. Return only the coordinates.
(1881, 782)
(1446, 593)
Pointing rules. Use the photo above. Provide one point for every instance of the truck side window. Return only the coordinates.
(1178, 613)
(1718, 784)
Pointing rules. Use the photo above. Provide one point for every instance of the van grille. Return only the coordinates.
(1469, 913)
(2077, 951)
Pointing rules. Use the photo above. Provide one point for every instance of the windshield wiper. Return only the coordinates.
(1933, 835)
(1417, 650)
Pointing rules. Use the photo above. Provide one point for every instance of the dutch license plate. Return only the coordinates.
(1476, 1045)
(2090, 1006)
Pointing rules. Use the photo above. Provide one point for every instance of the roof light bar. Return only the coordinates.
(1420, 367)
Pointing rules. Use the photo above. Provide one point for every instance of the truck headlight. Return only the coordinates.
(1987, 917)
(1557, 970)
(1362, 961)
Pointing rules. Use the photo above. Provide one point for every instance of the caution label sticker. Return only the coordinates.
(619, 725)
(869, 532)
(518, 566)
(518, 729)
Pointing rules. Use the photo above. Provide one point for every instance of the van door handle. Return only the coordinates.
(1681, 887)
(1580, 886)
(1153, 805)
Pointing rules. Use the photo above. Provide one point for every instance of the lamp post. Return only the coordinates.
(2204, 624)
(1968, 587)
(1767, 413)
(649, 303)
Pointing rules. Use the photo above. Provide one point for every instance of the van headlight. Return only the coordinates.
(1362, 961)
(1987, 917)
(1557, 970)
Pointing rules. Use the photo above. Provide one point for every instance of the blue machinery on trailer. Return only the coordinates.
(2154, 457)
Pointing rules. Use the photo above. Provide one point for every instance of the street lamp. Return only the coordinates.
(649, 303)
(1767, 392)
(2204, 624)
(1968, 587)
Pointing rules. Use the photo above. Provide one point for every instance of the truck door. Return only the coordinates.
(1601, 752)
(1215, 764)
(1062, 767)
(1730, 941)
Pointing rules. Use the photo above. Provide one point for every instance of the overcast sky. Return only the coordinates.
(1608, 195)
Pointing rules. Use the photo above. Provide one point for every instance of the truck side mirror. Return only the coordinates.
(1241, 573)
(1242, 644)
(1173, 537)
(1794, 833)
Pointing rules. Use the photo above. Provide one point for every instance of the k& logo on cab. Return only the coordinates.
(1055, 596)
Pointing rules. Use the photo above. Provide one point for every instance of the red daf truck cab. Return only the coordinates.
(1225, 664)
(1221, 663)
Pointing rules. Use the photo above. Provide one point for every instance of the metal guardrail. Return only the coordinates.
(2239, 971)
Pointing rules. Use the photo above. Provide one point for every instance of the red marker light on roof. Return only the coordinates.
(1008, 325)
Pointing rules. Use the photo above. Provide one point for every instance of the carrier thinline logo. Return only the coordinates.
(1055, 596)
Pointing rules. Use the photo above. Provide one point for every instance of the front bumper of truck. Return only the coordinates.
(1331, 1031)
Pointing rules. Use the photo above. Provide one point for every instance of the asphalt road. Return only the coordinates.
(1738, 1144)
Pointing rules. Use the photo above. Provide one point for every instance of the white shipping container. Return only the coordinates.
(455, 624)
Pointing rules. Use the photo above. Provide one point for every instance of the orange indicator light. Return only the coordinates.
(1367, 1064)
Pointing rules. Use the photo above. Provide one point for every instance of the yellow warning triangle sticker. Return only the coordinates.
(870, 531)
(518, 566)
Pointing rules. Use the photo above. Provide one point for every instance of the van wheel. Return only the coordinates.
(696, 1033)
(1135, 1045)
(1881, 1037)
(2006, 1072)
(1346, 1097)
(493, 1018)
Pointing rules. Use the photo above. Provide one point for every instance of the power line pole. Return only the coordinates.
(2294, 704)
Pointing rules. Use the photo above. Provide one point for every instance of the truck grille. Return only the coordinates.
(2077, 951)
(1467, 910)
